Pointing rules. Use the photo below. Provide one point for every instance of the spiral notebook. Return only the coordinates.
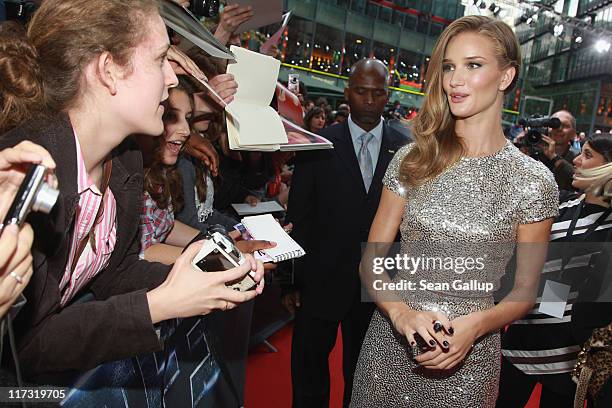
(264, 227)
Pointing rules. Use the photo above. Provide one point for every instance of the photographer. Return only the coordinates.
(556, 151)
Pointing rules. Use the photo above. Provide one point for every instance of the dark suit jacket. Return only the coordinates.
(331, 214)
(116, 325)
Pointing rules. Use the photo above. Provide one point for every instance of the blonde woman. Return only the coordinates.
(461, 184)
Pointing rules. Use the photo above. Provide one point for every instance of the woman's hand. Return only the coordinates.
(16, 243)
(15, 263)
(291, 301)
(409, 322)
(226, 87)
(14, 163)
(201, 148)
(250, 246)
(224, 84)
(182, 64)
(232, 17)
(466, 329)
(187, 292)
(549, 147)
(251, 200)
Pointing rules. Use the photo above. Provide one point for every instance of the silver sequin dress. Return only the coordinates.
(478, 200)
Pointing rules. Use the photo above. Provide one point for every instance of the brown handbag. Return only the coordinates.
(594, 366)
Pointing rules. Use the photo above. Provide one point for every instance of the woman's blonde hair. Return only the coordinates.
(437, 145)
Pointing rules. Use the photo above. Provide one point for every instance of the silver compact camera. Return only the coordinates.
(293, 83)
(218, 253)
(34, 194)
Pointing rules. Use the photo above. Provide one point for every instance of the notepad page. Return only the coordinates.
(256, 75)
(256, 125)
(265, 227)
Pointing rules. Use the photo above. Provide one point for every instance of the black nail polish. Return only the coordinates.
(433, 343)
(445, 343)
(451, 330)
(413, 343)
(437, 327)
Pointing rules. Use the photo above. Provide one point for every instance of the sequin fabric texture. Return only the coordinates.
(478, 200)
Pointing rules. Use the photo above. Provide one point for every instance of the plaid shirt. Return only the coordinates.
(90, 263)
(155, 223)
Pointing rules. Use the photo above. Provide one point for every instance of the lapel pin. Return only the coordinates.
(391, 151)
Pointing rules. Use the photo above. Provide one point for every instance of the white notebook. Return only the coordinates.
(257, 125)
(264, 227)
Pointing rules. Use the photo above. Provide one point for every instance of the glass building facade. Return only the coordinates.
(568, 69)
(325, 38)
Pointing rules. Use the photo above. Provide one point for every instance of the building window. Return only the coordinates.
(409, 70)
(384, 14)
(436, 29)
(425, 6)
(298, 46)
(327, 51)
(372, 9)
(422, 24)
(358, 5)
(356, 47)
(386, 53)
(559, 69)
(398, 18)
(410, 22)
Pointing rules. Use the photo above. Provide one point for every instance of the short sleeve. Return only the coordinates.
(155, 223)
(540, 198)
(391, 180)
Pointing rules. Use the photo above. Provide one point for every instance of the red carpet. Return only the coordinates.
(268, 379)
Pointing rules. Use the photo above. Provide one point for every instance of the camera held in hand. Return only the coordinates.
(34, 195)
(217, 254)
(535, 127)
(205, 8)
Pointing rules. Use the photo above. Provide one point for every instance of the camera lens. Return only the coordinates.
(45, 199)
